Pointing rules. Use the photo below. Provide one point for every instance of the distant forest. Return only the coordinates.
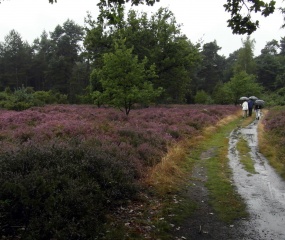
(80, 64)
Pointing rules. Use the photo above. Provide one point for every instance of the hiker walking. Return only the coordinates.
(244, 108)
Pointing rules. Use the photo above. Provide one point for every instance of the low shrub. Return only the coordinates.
(25, 98)
(60, 192)
(64, 168)
(274, 126)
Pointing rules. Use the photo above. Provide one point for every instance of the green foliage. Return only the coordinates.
(212, 67)
(241, 84)
(124, 80)
(245, 61)
(160, 40)
(15, 57)
(222, 94)
(202, 97)
(239, 23)
(60, 72)
(24, 98)
(21, 99)
(60, 192)
(243, 23)
(269, 71)
(176, 58)
(98, 98)
(276, 98)
(57, 61)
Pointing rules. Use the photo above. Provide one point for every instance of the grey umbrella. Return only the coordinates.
(243, 99)
(253, 98)
(259, 102)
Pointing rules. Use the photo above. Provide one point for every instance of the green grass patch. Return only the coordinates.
(225, 200)
(245, 158)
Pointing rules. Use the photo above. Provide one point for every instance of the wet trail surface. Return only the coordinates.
(263, 192)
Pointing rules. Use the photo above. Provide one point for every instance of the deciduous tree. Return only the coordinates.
(241, 21)
(242, 84)
(125, 80)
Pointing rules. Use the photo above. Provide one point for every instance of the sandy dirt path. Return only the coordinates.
(263, 192)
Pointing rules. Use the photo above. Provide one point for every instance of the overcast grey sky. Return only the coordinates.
(201, 19)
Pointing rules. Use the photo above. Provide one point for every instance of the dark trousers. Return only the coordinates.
(249, 111)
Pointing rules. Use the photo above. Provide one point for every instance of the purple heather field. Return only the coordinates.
(142, 138)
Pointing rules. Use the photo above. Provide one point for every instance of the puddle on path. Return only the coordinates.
(263, 192)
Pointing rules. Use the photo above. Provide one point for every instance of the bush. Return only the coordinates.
(275, 134)
(275, 98)
(60, 192)
(24, 98)
(44, 97)
(202, 97)
(64, 167)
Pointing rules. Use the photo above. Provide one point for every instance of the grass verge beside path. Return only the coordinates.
(224, 199)
(167, 206)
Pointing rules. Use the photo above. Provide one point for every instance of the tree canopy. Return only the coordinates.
(83, 65)
(125, 81)
(241, 21)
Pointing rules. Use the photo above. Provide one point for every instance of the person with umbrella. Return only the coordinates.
(258, 106)
(251, 101)
(250, 106)
(244, 105)
(244, 108)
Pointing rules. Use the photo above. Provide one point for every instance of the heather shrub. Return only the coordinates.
(274, 123)
(64, 168)
(60, 192)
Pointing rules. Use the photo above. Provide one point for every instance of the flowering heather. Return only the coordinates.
(274, 140)
(65, 167)
(140, 139)
(156, 127)
(275, 121)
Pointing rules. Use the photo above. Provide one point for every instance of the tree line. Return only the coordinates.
(136, 58)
